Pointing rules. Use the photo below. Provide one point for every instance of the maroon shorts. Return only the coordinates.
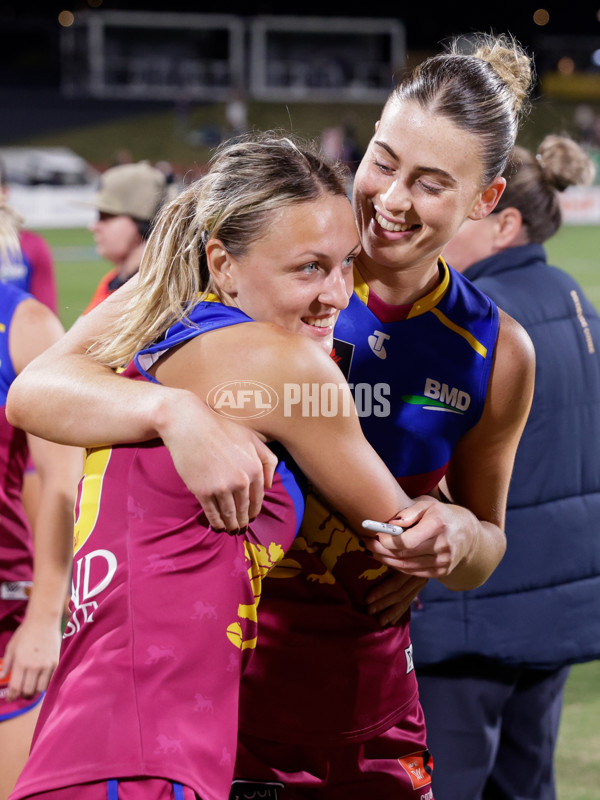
(125, 789)
(394, 764)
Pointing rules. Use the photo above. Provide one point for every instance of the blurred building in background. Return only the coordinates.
(195, 57)
(71, 70)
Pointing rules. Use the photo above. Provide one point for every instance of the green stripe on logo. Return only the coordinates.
(417, 400)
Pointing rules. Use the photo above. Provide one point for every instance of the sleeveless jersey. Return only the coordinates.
(16, 544)
(32, 269)
(162, 619)
(16, 549)
(325, 672)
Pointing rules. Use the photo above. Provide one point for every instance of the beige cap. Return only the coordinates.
(136, 190)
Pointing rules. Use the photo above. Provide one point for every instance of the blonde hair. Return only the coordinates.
(481, 85)
(534, 182)
(11, 223)
(248, 179)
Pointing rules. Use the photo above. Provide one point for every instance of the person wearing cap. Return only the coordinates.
(127, 201)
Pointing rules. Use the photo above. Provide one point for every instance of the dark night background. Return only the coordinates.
(30, 98)
(30, 32)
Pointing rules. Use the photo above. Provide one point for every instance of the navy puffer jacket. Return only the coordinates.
(541, 606)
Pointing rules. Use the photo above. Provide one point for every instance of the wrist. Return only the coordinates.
(169, 406)
(45, 613)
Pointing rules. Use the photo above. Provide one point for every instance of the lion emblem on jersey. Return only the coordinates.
(326, 535)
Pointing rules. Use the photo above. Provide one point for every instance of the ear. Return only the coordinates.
(487, 200)
(221, 266)
(509, 230)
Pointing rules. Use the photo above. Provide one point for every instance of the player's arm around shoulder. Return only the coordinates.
(66, 396)
(45, 394)
(63, 394)
(312, 410)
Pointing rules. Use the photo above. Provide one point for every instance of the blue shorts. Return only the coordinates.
(121, 789)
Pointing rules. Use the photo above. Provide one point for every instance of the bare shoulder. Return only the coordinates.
(290, 353)
(259, 351)
(31, 312)
(512, 380)
(481, 465)
(33, 329)
(515, 353)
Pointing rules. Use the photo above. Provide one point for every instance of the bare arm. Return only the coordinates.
(32, 652)
(323, 435)
(68, 397)
(461, 543)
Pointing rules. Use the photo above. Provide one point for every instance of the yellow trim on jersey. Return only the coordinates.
(475, 344)
(211, 297)
(421, 306)
(96, 462)
(360, 287)
(430, 300)
(427, 303)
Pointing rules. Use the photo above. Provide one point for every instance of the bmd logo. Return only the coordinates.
(243, 399)
(450, 397)
(438, 396)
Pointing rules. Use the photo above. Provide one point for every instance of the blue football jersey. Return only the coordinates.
(420, 382)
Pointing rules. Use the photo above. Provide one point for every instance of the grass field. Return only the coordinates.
(187, 139)
(576, 250)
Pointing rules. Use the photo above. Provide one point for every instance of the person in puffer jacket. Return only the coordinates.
(492, 662)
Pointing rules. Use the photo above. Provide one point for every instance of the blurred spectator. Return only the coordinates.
(492, 662)
(35, 556)
(339, 143)
(585, 122)
(236, 114)
(127, 202)
(167, 170)
(26, 262)
(123, 156)
(29, 265)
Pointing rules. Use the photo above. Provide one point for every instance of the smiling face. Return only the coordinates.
(300, 273)
(418, 181)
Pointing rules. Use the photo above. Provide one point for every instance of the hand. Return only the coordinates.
(438, 538)
(31, 657)
(392, 598)
(225, 465)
